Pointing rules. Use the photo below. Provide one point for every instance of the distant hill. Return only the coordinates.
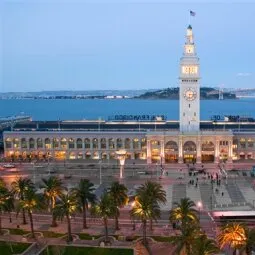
(173, 93)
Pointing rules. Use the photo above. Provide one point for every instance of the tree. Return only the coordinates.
(183, 241)
(232, 234)
(155, 192)
(84, 194)
(5, 200)
(105, 208)
(249, 244)
(120, 198)
(184, 213)
(53, 188)
(65, 208)
(145, 209)
(19, 187)
(202, 245)
(31, 202)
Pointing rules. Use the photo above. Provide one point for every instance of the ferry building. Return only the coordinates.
(186, 140)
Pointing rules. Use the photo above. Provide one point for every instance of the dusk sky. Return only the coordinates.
(88, 45)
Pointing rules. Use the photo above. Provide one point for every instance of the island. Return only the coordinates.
(173, 93)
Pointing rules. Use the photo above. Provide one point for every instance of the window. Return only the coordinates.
(47, 143)
(87, 143)
(8, 143)
(79, 143)
(39, 143)
(71, 143)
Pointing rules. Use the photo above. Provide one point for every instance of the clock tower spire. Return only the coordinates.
(189, 91)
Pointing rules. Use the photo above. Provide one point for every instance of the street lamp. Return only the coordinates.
(199, 205)
(121, 156)
(100, 171)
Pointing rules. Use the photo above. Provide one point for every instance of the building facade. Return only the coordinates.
(189, 140)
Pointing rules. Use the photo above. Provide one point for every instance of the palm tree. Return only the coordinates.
(53, 188)
(183, 242)
(184, 213)
(202, 245)
(105, 208)
(5, 198)
(84, 194)
(65, 208)
(232, 234)
(144, 209)
(31, 202)
(155, 192)
(19, 187)
(250, 240)
(120, 198)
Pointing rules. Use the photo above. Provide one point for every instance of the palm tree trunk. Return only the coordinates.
(144, 232)
(0, 223)
(106, 229)
(31, 224)
(116, 223)
(54, 220)
(10, 216)
(150, 224)
(24, 216)
(84, 216)
(69, 232)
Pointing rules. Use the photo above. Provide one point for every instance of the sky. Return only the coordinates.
(88, 45)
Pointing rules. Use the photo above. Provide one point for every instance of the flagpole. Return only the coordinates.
(189, 18)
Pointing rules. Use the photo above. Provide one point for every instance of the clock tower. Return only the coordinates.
(189, 92)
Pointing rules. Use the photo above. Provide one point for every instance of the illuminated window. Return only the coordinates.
(127, 143)
(71, 143)
(111, 144)
(31, 143)
(250, 143)
(136, 143)
(143, 143)
(47, 143)
(8, 143)
(95, 143)
(63, 143)
(103, 143)
(55, 143)
(39, 143)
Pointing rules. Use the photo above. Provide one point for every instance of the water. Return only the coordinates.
(93, 109)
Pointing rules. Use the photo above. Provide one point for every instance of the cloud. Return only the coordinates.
(243, 74)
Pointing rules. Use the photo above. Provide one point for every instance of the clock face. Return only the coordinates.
(190, 94)
(189, 69)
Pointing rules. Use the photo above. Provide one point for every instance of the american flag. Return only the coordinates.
(192, 13)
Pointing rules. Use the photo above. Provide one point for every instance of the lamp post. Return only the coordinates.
(199, 205)
(121, 156)
(100, 171)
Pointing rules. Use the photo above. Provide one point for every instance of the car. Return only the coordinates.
(8, 166)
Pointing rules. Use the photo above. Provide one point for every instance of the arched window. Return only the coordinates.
(63, 143)
(39, 143)
(31, 143)
(8, 143)
(95, 143)
(87, 143)
(136, 143)
(119, 143)
(23, 143)
(71, 143)
(16, 142)
(250, 143)
(55, 143)
(111, 144)
(143, 143)
(242, 143)
(103, 143)
(47, 143)
(127, 143)
(79, 143)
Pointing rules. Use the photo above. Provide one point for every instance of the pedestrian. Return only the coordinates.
(222, 193)
(196, 184)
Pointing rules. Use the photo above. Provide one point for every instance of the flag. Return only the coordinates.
(192, 13)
